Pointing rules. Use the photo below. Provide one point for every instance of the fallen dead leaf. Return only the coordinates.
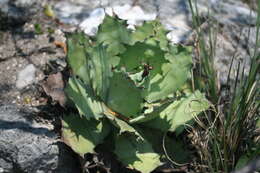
(54, 86)
(61, 45)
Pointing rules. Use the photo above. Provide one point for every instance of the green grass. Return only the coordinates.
(225, 135)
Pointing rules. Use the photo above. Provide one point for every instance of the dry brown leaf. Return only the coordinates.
(61, 45)
(54, 86)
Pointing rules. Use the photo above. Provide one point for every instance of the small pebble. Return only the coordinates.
(26, 76)
(61, 62)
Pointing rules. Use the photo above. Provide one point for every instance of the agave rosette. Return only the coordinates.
(125, 81)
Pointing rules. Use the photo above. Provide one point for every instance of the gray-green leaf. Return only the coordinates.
(179, 112)
(84, 100)
(83, 135)
(136, 154)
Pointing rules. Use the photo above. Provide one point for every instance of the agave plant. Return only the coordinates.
(127, 85)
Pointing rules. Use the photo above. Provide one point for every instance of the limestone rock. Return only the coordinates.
(15, 12)
(27, 146)
(26, 76)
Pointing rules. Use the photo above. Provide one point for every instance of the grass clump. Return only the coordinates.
(227, 136)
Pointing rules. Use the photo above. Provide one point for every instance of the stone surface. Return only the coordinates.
(234, 16)
(234, 11)
(233, 42)
(90, 17)
(134, 15)
(15, 12)
(90, 24)
(20, 47)
(174, 14)
(27, 146)
(26, 76)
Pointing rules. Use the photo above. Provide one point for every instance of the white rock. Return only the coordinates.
(68, 12)
(109, 11)
(178, 35)
(24, 3)
(89, 21)
(175, 15)
(134, 15)
(90, 24)
(26, 76)
(178, 27)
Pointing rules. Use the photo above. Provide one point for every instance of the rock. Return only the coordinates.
(26, 76)
(252, 166)
(90, 24)
(14, 12)
(71, 13)
(27, 146)
(176, 16)
(233, 41)
(134, 15)
(91, 3)
(89, 18)
(19, 47)
(7, 46)
(234, 12)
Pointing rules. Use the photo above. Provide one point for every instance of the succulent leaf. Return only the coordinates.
(179, 112)
(113, 33)
(123, 97)
(136, 154)
(81, 139)
(134, 79)
(142, 32)
(84, 99)
(76, 56)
